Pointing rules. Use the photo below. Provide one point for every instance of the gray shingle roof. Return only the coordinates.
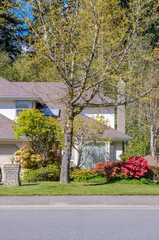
(9, 90)
(6, 132)
(5, 127)
(111, 133)
(54, 95)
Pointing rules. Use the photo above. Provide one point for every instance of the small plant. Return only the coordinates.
(95, 178)
(49, 173)
(155, 171)
(81, 175)
(28, 159)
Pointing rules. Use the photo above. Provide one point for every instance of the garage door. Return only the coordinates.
(5, 152)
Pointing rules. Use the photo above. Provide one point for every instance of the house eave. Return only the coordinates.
(17, 98)
(14, 139)
(121, 139)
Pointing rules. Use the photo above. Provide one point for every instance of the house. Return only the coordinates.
(152, 161)
(51, 97)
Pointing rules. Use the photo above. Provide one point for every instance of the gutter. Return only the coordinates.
(17, 98)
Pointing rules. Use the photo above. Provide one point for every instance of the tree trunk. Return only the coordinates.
(79, 158)
(67, 150)
(152, 142)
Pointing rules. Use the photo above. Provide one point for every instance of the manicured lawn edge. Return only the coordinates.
(79, 189)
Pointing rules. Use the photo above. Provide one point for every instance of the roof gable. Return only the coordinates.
(9, 90)
(5, 127)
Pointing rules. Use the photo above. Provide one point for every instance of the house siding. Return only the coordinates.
(108, 114)
(118, 150)
(8, 108)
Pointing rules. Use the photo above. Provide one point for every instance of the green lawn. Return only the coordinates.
(76, 188)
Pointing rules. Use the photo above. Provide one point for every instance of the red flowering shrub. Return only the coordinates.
(110, 169)
(100, 168)
(136, 167)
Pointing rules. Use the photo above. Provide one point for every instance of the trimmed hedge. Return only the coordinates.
(81, 175)
(49, 173)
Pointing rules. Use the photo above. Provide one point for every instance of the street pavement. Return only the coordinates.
(79, 217)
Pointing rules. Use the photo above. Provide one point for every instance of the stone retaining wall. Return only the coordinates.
(11, 175)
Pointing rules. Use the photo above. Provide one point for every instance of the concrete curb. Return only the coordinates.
(71, 207)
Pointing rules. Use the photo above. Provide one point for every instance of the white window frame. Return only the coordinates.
(20, 109)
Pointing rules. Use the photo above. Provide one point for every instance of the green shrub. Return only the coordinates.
(81, 175)
(155, 171)
(125, 157)
(138, 181)
(49, 173)
(95, 178)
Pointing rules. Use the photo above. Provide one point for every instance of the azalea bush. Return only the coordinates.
(28, 159)
(31, 161)
(135, 167)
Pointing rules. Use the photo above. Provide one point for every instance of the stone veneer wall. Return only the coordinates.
(11, 175)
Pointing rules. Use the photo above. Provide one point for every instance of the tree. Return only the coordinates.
(85, 43)
(150, 109)
(12, 29)
(142, 115)
(87, 131)
(44, 131)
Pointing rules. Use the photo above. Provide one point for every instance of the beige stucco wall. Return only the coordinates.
(107, 112)
(8, 108)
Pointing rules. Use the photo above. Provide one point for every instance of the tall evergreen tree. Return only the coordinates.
(12, 28)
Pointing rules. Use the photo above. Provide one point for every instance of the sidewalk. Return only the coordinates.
(68, 202)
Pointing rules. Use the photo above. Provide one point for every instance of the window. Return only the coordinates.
(72, 157)
(94, 154)
(112, 155)
(21, 105)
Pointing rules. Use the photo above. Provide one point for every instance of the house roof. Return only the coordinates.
(6, 132)
(5, 129)
(111, 133)
(115, 135)
(9, 90)
(151, 161)
(54, 94)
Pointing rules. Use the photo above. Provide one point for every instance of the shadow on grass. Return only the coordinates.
(111, 181)
(94, 184)
(28, 184)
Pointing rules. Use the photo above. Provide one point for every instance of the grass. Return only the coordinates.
(79, 188)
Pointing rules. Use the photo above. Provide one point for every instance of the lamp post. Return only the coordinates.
(12, 159)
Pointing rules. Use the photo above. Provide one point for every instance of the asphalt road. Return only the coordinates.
(79, 224)
(79, 218)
